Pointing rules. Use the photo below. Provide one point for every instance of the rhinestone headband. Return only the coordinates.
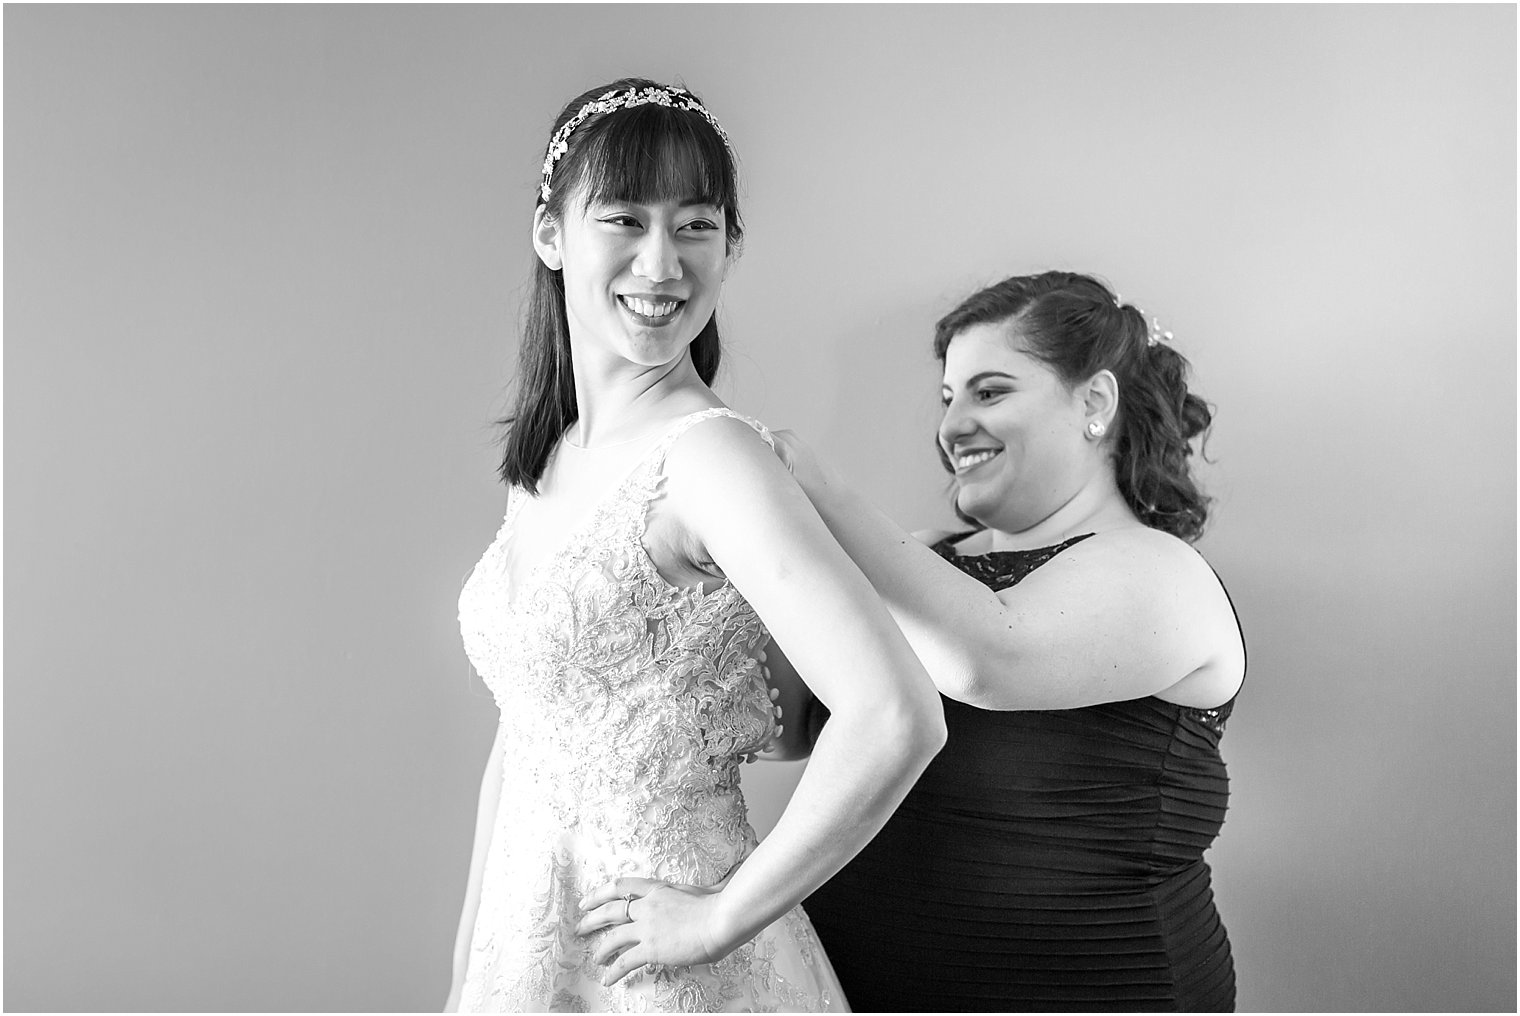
(675, 98)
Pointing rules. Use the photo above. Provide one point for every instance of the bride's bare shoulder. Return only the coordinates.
(714, 447)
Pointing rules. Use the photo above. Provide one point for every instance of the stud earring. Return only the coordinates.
(1096, 429)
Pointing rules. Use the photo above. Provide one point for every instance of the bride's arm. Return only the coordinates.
(485, 822)
(735, 497)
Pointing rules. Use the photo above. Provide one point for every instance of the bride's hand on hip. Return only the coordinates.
(653, 922)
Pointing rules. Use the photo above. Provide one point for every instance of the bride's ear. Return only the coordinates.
(547, 237)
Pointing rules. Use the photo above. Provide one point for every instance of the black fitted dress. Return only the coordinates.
(1046, 860)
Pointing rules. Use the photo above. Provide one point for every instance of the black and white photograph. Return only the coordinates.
(760, 507)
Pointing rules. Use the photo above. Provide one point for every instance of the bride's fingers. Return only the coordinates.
(631, 960)
(608, 915)
(617, 941)
(615, 890)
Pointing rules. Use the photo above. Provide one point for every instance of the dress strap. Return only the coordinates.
(645, 477)
(689, 421)
(652, 472)
(1244, 651)
(516, 498)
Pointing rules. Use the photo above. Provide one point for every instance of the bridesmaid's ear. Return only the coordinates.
(1100, 402)
(547, 239)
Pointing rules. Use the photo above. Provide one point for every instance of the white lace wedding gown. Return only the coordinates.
(628, 705)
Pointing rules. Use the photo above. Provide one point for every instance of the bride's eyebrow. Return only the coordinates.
(646, 205)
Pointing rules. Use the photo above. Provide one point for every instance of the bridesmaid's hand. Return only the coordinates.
(653, 922)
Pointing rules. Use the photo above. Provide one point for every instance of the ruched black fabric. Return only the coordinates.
(1045, 861)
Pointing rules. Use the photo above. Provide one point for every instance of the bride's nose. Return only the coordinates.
(657, 259)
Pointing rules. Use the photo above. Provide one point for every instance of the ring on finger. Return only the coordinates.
(628, 909)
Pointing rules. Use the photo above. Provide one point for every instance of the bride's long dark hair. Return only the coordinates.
(645, 154)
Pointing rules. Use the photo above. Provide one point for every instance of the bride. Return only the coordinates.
(652, 543)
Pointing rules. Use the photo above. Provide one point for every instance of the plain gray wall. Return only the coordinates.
(263, 268)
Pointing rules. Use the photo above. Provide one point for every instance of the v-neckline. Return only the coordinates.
(575, 533)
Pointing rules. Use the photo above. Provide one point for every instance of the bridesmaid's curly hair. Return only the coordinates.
(1077, 326)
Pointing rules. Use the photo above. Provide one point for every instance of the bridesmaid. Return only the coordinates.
(1051, 857)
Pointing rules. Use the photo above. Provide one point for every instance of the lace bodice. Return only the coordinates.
(627, 705)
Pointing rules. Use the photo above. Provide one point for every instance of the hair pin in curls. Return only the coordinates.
(664, 95)
(1156, 334)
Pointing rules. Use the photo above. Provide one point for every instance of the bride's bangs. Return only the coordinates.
(654, 153)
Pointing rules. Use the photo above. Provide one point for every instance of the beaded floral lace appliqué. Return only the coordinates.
(627, 705)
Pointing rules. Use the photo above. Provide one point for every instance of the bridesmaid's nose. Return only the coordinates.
(955, 424)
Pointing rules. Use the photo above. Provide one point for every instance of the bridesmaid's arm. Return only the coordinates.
(485, 822)
(1128, 613)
